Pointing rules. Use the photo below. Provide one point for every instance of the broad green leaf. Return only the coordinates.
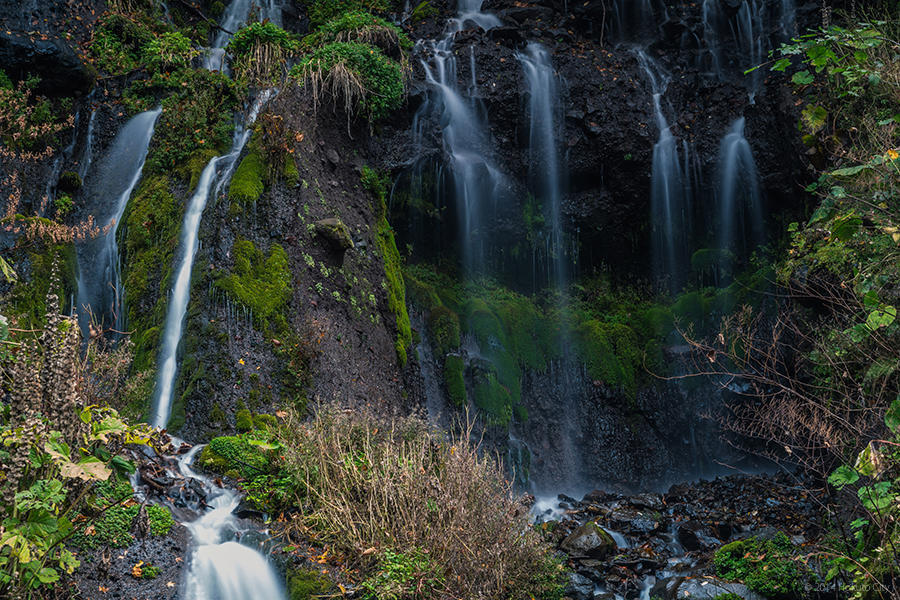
(803, 78)
(842, 476)
(7, 271)
(850, 171)
(781, 64)
(876, 497)
(48, 575)
(869, 462)
(881, 317)
(813, 118)
(123, 465)
(846, 226)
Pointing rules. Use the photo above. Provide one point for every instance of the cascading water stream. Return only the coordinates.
(545, 172)
(478, 184)
(222, 568)
(216, 173)
(109, 188)
(740, 210)
(670, 210)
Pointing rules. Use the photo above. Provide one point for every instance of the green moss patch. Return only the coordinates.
(454, 380)
(767, 567)
(248, 182)
(259, 282)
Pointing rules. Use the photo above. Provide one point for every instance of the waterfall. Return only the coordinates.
(739, 201)
(544, 169)
(217, 172)
(711, 21)
(222, 568)
(788, 19)
(87, 156)
(478, 185)
(111, 184)
(748, 33)
(670, 210)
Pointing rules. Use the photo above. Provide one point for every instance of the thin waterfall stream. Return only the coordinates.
(110, 185)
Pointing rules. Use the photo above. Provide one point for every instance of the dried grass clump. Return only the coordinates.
(376, 488)
(358, 78)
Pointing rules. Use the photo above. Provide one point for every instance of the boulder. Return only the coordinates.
(60, 70)
(589, 540)
(336, 233)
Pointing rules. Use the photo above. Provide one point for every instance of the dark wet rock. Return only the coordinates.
(333, 157)
(710, 588)
(246, 510)
(589, 540)
(579, 587)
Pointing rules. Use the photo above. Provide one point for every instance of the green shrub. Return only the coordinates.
(118, 44)
(422, 11)
(70, 182)
(358, 76)
(196, 117)
(406, 575)
(260, 52)
(169, 51)
(361, 27)
(322, 11)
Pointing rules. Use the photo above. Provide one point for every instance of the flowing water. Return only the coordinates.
(478, 184)
(213, 179)
(109, 187)
(544, 116)
(221, 568)
(739, 200)
(670, 210)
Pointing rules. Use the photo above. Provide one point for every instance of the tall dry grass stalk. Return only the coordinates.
(373, 486)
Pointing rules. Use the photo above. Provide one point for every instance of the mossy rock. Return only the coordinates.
(248, 181)
(335, 233)
(444, 326)
(69, 182)
(306, 583)
(454, 379)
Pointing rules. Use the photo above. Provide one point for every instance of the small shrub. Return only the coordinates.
(424, 499)
(404, 576)
(356, 76)
(63, 204)
(169, 51)
(360, 27)
(260, 51)
(322, 11)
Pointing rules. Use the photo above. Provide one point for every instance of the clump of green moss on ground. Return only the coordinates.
(261, 283)
(113, 500)
(444, 326)
(252, 459)
(360, 26)
(307, 583)
(767, 567)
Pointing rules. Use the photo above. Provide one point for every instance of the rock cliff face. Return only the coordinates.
(339, 336)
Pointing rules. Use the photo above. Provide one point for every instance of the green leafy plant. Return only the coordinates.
(260, 52)
(406, 575)
(357, 77)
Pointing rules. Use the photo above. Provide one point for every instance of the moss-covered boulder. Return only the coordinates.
(335, 233)
(589, 540)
